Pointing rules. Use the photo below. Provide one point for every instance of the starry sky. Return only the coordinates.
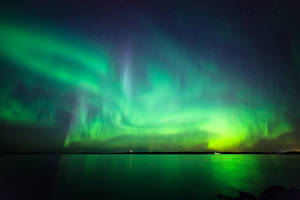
(165, 75)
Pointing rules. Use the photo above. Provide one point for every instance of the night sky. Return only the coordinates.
(114, 76)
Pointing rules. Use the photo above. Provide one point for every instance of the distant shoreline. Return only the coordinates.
(145, 153)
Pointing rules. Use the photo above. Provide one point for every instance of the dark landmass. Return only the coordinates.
(275, 192)
(215, 153)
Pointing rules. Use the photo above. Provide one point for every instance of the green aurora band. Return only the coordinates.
(162, 98)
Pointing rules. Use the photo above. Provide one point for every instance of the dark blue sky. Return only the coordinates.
(258, 42)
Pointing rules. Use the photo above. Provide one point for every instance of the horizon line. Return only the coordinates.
(144, 153)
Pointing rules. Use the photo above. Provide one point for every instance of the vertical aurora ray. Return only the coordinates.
(161, 98)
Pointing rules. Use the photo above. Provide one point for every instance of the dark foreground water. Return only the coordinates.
(142, 176)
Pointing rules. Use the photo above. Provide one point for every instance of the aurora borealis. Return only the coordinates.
(150, 88)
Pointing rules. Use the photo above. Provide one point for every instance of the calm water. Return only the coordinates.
(142, 176)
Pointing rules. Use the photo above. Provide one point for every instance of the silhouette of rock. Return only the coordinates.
(246, 196)
(275, 192)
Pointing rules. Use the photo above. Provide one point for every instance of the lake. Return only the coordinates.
(134, 176)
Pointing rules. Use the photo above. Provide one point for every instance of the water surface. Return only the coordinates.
(143, 176)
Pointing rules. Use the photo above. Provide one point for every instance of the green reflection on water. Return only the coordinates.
(176, 176)
(236, 172)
